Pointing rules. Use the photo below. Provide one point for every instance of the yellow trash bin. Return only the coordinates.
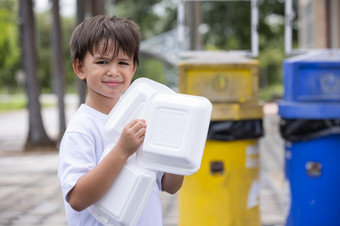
(225, 190)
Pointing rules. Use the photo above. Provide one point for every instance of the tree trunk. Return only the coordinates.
(98, 7)
(37, 136)
(87, 8)
(57, 66)
(194, 22)
(81, 86)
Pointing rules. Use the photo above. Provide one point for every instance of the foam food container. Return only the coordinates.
(131, 104)
(177, 126)
(125, 200)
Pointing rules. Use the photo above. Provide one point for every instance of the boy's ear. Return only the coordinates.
(135, 68)
(78, 68)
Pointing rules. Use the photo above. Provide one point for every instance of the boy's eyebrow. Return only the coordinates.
(124, 58)
(100, 57)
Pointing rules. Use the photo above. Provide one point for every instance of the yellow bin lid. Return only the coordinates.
(221, 80)
(236, 111)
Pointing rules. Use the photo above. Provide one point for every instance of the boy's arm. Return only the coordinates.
(171, 183)
(94, 184)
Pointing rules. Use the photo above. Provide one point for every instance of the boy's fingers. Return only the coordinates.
(137, 124)
(141, 133)
(130, 124)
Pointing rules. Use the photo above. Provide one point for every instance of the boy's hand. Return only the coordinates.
(132, 136)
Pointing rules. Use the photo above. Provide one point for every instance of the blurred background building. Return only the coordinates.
(319, 25)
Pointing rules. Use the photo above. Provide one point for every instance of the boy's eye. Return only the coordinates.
(102, 62)
(123, 63)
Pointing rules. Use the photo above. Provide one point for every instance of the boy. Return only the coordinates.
(104, 52)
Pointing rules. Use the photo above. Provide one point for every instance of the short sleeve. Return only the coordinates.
(159, 180)
(76, 158)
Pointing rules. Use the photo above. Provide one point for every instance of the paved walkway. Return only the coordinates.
(29, 187)
(30, 192)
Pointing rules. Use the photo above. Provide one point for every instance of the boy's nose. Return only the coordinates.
(112, 71)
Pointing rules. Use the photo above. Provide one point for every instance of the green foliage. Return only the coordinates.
(153, 16)
(9, 44)
(229, 28)
(152, 69)
(68, 24)
(226, 26)
(270, 60)
(44, 29)
(43, 42)
(271, 55)
(271, 93)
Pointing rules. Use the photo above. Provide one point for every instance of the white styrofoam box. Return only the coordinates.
(177, 127)
(125, 200)
(131, 104)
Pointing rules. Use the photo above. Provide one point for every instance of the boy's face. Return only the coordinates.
(106, 77)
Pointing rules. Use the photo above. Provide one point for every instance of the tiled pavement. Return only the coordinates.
(29, 187)
(30, 193)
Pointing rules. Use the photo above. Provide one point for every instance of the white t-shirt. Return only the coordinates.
(80, 150)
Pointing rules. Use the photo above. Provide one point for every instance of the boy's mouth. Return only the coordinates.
(113, 83)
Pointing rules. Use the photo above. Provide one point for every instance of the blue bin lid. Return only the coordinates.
(317, 56)
(313, 77)
(307, 110)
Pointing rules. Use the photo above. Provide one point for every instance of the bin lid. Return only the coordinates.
(313, 77)
(216, 58)
(307, 110)
(237, 111)
(328, 55)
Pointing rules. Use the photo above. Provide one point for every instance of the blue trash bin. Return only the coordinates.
(312, 156)
(312, 170)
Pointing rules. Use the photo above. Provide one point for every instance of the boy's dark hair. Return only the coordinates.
(120, 33)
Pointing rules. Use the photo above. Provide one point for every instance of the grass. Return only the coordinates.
(12, 102)
(19, 102)
(271, 93)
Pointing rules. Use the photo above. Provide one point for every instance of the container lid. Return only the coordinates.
(303, 110)
(176, 133)
(177, 126)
